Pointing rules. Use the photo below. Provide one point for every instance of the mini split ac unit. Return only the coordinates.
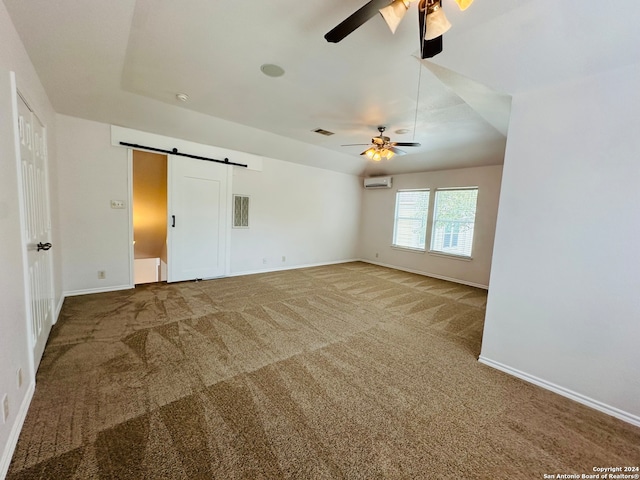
(378, 182)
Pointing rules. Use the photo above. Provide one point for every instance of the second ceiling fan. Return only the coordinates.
(433, 23)
(382, 147)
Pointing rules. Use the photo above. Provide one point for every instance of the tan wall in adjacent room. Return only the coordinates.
(149, 204)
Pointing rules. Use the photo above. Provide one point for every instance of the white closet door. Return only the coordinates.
(198, 218)
(36, 226)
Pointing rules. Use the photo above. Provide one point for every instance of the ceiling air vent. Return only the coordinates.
(321, 131)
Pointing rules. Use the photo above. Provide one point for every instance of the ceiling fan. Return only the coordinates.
(382, 147)
(433, 22)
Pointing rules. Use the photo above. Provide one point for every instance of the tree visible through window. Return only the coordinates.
(410, 225)
(454, 221)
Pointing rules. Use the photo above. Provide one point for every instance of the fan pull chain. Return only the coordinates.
(415, 119)
(424, 23)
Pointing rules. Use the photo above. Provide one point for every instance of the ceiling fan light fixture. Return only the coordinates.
(394, 13)
(378, 153)
(464, 4)
(386, 154)
(437, 22)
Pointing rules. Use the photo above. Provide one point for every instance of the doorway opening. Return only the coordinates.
(149, 217)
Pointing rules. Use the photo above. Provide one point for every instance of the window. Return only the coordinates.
(453, 221)
(410, 225)
(240, 211)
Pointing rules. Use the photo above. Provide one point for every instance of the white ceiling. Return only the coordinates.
(123, 62)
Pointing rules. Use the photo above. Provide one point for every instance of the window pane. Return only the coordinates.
(411, 218)
(453, 221)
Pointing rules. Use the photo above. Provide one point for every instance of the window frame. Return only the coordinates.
(434, 223)
(425, 221)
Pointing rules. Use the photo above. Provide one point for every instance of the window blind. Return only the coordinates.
(410, 223)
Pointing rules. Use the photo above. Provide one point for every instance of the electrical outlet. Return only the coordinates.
(284, 259)
(5, 408)
(376, 254)
(102, 274)
(117, 204)
(264, 260)
(19, 377)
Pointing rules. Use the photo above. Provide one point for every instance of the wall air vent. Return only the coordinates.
(240, 211)
(378, 182)
(321, 131)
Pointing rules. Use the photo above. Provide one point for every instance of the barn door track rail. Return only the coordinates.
(176, 152)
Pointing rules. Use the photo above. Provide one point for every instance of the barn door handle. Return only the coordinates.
(43, 246)
(173, 220)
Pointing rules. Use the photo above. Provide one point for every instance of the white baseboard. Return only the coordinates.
(565, 392)
(89, 291)
(56, 313)
(12, 441)
(427, 274)
(291, 267)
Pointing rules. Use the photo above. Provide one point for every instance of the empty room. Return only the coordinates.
(347, 239)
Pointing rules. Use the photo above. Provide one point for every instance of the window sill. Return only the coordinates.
(408, 249)
(450, 255)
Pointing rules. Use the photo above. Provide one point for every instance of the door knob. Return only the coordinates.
(43, 246)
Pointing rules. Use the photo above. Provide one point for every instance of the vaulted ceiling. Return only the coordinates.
(124, 62)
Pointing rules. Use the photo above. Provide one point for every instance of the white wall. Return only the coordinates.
(14, 350)
(95, 236)
(564, 299)
(378, 216)
(305, 214)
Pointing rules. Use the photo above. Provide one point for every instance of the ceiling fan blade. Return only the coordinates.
(431, 48)
(405, 144)
(365, 152)
(397, 151)
(355, 20)
(354, 145)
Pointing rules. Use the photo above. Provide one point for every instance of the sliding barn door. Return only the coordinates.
(36, 225)
(198, 217)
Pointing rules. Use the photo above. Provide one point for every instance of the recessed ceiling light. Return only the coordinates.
(402, 131)
(183, 97)
(271, 70)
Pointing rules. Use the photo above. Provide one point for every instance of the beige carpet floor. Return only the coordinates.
(349, 371)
